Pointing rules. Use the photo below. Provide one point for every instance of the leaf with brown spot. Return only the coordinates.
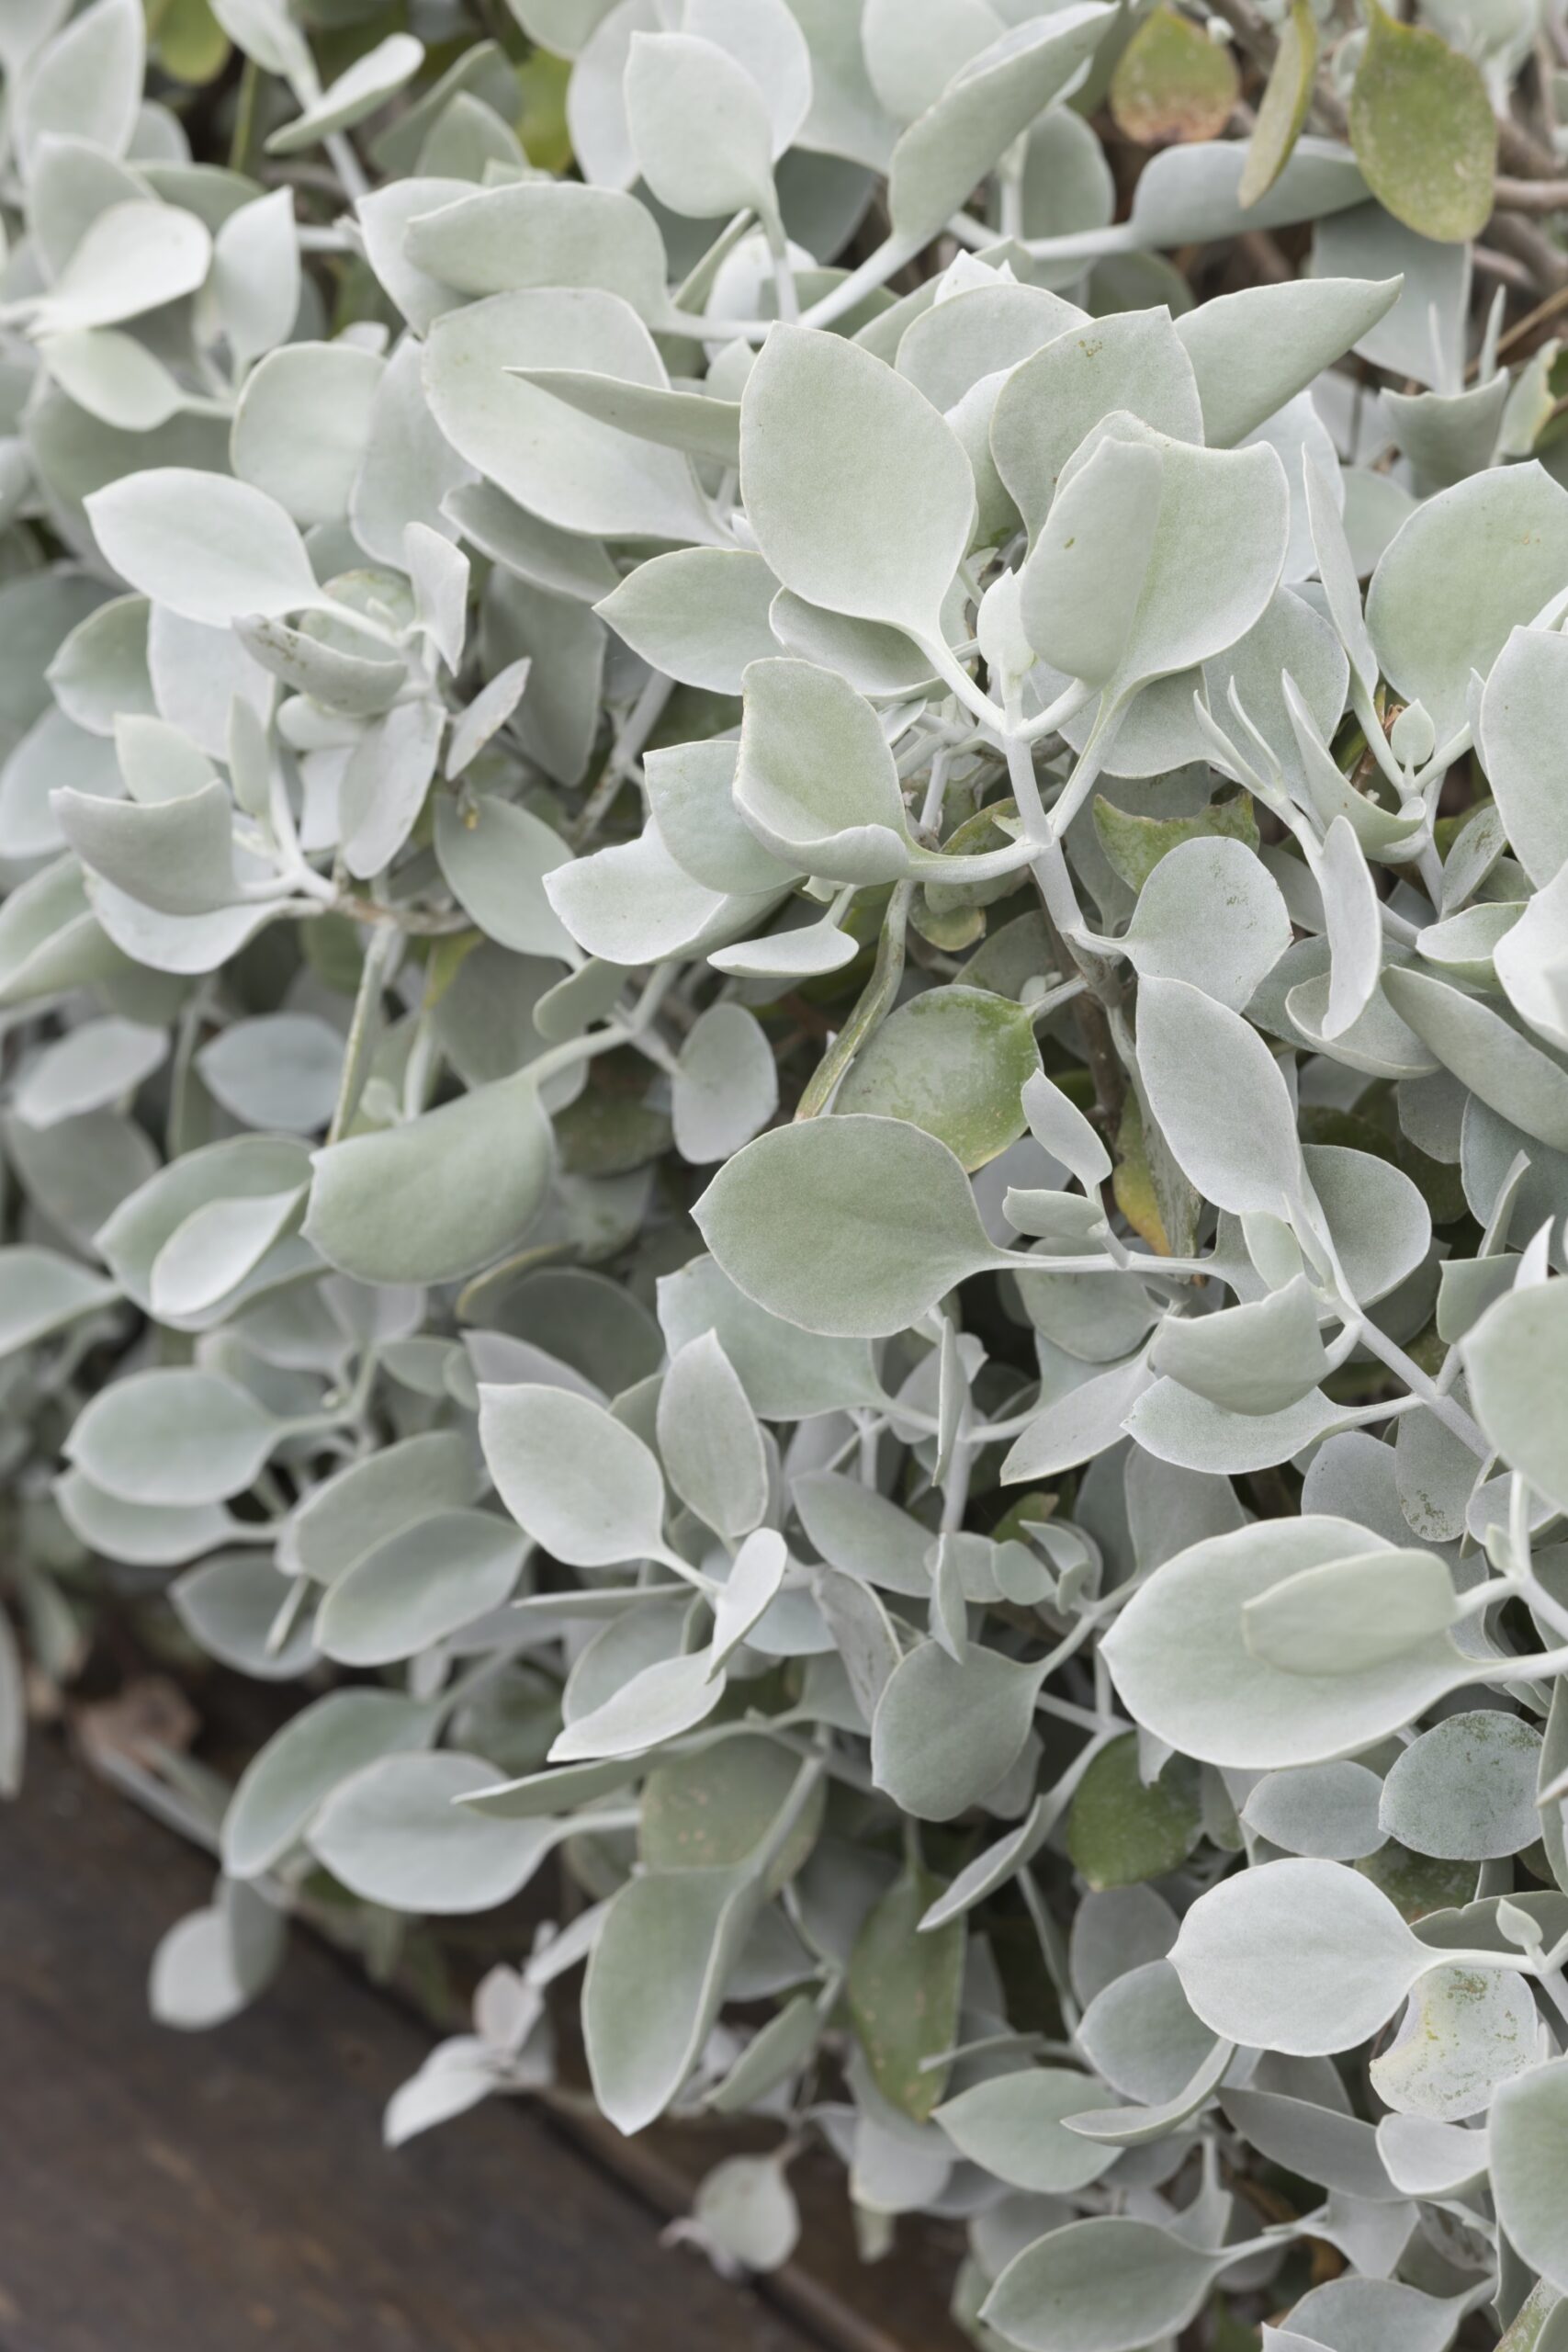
(1172, 83)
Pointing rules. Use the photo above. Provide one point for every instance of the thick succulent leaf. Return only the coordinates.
(851, 1227)
(1509, 531)
(1105, 2285)
(421, 1202)
(827, 437)
(1181, 1657)
(1529, 2133)
(1251, 352)
(1304, 1957)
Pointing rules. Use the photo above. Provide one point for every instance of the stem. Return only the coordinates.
(952, 674)
(1453, 1417)
(191, 1019)
(640, 722)
(1009, 187)
(347, 166)
(873, 273)
(381, 958)
(875, 1001)
(784, 274)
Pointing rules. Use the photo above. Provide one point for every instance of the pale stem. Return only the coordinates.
(382, 953)
(346, 165)
(1453, 1417)
(783, 273)
(640, 722)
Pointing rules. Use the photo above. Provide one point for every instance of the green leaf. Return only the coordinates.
(709, 1809)
(1260, 1958)
(190, 42)
(656, 1978)
(1423, 130)
(952, 1061)
(1179, 1657)
(1516, 1362)
(709, 1439)
(581, 1483)
(1529, 2147)
(829, 438)
(1135, 844)
(1283, 107)
(394, 1833)
(1120, 1831)
(1106, 2285)
(289, 1778)
(1465, 1790)
(1013, 2126)
(173, 1436)
(947, 1730)
(851, 1226)
(438, 1197)
(903, 1993)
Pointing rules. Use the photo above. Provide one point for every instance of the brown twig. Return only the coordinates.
(1531, 196)
(1502, 265)
(1543, 314)
(1546, 262)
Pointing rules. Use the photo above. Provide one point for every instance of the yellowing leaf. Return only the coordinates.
(1133, 1184)
(1173, 82)
(542, 125)
(187, 40)
(1423, 130)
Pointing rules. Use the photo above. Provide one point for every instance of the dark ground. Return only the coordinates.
(228, 2192)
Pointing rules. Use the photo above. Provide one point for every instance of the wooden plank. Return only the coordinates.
(896, 2305)
(227, 2192)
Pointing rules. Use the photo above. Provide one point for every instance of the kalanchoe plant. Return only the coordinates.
(786, 1015)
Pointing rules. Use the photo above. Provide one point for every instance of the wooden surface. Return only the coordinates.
(228, 2192)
